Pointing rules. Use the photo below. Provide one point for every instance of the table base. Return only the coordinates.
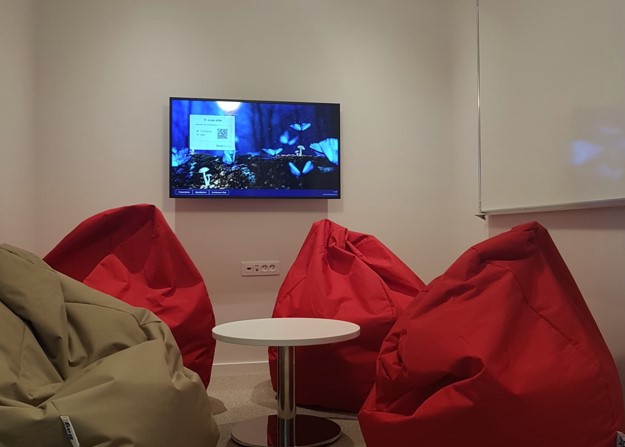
(309, 431)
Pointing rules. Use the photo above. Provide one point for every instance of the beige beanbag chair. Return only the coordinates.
(76, 363)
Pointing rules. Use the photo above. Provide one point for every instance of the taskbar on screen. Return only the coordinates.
(255, 193)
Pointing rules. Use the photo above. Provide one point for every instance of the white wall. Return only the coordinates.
(106, 70)
(405, 76)
(19, 179)
(415, 170)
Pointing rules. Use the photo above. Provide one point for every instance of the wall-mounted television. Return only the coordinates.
(254, 149)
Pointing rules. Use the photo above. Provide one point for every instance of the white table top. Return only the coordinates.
(286, 331)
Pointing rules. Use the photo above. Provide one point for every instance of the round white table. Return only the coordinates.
(286, 429)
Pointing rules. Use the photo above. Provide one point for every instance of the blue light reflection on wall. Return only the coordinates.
(599, 149)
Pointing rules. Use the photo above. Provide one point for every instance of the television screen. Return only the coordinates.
(254, 149)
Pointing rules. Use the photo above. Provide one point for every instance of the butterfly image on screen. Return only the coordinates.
(228, 157)
(309, 166)
(254, 149)
(272, 152)
(286, 139)
(300, 126)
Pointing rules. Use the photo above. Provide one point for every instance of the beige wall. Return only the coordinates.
(406, 79)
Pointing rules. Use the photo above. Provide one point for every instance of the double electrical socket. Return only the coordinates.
(260, 268)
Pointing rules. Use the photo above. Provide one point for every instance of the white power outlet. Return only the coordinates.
(260, 268)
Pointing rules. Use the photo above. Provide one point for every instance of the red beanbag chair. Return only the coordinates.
(501, 350)
(347, 276)
(132, 254)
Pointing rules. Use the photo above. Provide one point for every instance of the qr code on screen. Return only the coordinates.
(222, 134)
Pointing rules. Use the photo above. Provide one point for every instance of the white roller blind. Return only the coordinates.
(552, 103)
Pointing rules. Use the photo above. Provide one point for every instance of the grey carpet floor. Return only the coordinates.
(236, 398)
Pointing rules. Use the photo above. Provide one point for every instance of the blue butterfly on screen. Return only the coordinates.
(326, 169)
(272, 152)
(328, 147)
(179, 156)
(307, 168)
(228, 157)
(300, 126)
(284, 138)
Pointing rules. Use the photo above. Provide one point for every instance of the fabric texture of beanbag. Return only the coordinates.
(500, 350)
(349, 276)
(132, 254)
(73, 356)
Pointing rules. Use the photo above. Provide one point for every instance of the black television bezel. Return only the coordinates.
(252, 196)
